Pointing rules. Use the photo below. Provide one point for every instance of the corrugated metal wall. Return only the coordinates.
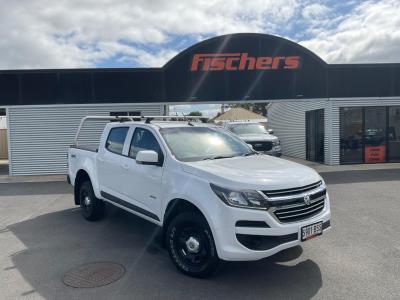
(287, 119)
(40, 135)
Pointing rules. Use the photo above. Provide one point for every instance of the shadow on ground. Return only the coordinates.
(337, 177)
(58, 241)
(35, 188)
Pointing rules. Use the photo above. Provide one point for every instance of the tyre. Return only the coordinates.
(92, 208)
(191, 246)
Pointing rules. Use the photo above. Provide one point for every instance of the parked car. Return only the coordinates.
(213, 195)
(257, 136)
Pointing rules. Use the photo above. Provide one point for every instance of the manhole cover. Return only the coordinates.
(93, 274)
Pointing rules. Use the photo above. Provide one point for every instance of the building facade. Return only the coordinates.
(339, 130)
(323, 112)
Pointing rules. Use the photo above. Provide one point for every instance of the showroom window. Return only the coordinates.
(394, 134)
(369, 134)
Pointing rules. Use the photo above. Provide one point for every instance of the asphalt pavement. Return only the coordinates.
(42, 236)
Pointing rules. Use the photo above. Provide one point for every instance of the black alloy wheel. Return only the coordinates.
(191, 245)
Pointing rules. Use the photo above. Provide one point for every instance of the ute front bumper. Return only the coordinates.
(246, 234)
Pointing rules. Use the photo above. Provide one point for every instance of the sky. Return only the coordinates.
(147, 33)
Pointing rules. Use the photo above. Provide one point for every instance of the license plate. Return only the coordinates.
(311, 231)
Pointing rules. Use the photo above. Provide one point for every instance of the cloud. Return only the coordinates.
(90, 33)
(314, 11)
(77, 33)
(369, 33)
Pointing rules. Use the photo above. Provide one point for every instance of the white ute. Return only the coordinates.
(214, 196)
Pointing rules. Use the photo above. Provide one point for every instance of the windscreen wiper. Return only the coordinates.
(218, 157)
(251, 153)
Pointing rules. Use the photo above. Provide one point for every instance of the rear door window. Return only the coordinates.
(116, 139)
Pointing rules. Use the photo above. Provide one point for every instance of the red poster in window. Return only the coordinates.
(375, 154)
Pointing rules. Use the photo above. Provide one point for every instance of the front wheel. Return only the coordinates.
(191, 245)
(92, 208)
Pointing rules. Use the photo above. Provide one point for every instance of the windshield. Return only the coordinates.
(200, 143)
(250, 128)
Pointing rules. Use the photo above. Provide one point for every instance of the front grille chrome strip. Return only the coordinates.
(319, 207)
(293, 190)
(294, 205)
(280, 213)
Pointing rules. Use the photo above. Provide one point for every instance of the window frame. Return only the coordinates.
(123, 145)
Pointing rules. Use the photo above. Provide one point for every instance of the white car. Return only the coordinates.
(215, 197)
(257, 136)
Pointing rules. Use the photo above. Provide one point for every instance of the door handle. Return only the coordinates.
(73, 156)
(100, 159)
(125, 166)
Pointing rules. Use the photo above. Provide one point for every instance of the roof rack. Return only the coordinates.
(100, 118)
(184, 118)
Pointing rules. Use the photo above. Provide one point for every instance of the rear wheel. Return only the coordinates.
(92, 208)
(191, 245)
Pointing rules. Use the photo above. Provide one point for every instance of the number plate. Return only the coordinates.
(311, 231)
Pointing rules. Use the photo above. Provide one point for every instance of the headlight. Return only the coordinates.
(277, 143)
(245, 198)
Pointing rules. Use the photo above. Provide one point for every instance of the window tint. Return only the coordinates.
(116, 139)
(143, 140)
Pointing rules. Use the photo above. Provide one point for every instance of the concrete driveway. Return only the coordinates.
(43, 235)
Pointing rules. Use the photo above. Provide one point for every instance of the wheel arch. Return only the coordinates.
(177, 206)
(81, 176)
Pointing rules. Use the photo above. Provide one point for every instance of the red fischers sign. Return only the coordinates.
(242, 61)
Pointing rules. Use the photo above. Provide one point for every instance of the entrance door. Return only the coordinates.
(394, 134)
(315, 134)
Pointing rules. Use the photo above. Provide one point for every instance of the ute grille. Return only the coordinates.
(261, 146)
(289, 206)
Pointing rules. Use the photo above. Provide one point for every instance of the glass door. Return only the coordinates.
(351, 128)
(394, 134)
(315, 135)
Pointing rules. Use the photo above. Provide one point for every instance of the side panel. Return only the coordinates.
(83, 160)
(40, 135)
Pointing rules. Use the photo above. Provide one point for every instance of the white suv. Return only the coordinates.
(215, 197)
(257, 136)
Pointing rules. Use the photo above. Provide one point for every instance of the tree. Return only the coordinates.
(195, 113)
(259, 108)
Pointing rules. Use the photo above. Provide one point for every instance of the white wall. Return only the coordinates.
(40, 135)
(287, 119)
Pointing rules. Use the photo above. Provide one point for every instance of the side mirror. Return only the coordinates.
(270, 131)
(147, 157)
(250, 145)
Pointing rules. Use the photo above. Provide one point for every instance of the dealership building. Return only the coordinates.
(328, 113)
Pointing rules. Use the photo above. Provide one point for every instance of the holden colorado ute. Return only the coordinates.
(213, 195)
